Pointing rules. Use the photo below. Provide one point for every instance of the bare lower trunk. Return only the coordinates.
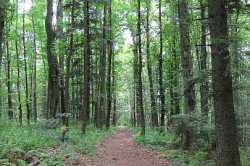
(160, 61)
(86, 84)
(154, 114)
(225, 123)
(186, 62)
(139, 75)
(2, 13)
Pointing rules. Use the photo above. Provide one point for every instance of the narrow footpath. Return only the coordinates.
(121, 150)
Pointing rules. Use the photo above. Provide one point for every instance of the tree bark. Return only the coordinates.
(68, 59)
(59, 17)
(204, 89)
(113, 85)
(139, 75)
(186, 62)
(86, 88)
(34, 78)
(110, 52)
(154, 114)
(160, 62)
(9, 84)
(27, 101)
(2, 15)
(53, 75)
(102, 71)
(225, 123)
(20, 113)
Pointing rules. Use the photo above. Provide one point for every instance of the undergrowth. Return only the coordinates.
(163, 143)
(22, 145)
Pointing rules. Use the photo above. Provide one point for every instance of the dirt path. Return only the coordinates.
(121, 150)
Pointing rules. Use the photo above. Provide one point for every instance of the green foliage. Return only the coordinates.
(45, 144)
(87, 143)
(194, 123)
(50, 123)
(181, 158)
(154, 139)
(163, 142)
(245, 156)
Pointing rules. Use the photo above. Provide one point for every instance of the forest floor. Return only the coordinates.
(121, 150)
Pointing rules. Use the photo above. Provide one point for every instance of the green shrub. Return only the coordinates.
(16, 142)
(164, 142)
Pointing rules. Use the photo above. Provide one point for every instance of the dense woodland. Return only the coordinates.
(178, 67)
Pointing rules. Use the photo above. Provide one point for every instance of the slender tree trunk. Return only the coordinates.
(204, 88)
(2, 15)
(59, 17)
(186, 62)
(34, 79)
(140, 97)
(225, 123)
(53, 75)
(154, 114)
(160, 61)
(110, 51)
(236, 65)
(9, 84)
(113, 87)
(20, 111)
(102, 72)
(175, 81)
(86, 88)
(203, 64)
(137, 117)
(68, 59)
(26, 73)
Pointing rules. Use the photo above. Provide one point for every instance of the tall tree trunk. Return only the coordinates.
(53, 74)
(154, 114)
(160, 61)
(110, 51)
(113, 87)
(175, 108)
(86, 88)
(2, 15)
(34, 78)
(139, 75)
(176, 70)
(203, 64)
(59, 17)
(186, 62)
(236, 65)
(26, 73)
(9, 84)
(68, 59)
(102, 72)
(137, 117)
(225, 123)
(20, 111)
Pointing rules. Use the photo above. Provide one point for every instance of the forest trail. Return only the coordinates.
(121, 150)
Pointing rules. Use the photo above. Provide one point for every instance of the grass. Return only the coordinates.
(16, 142)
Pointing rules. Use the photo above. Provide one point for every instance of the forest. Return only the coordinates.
(125, 82)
